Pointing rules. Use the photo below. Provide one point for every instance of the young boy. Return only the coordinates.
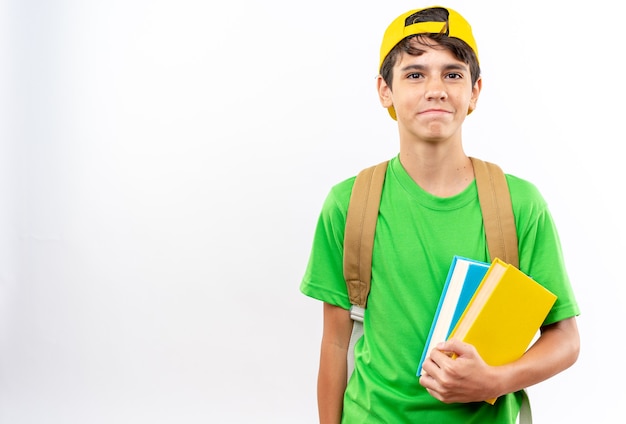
(429, 211)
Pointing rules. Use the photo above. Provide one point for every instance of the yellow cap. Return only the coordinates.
(399, 29)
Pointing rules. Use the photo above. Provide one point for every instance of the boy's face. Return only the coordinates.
(432, 94)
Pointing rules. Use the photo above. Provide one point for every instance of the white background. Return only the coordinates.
(163, 163)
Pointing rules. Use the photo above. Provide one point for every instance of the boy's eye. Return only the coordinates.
(454, 75)
(414, 75)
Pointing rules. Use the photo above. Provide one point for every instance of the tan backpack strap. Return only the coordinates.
(497, 210)
(360, 227)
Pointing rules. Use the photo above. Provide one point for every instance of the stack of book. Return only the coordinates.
(494, 307)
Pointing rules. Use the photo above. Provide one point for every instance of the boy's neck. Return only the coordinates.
(440, 171)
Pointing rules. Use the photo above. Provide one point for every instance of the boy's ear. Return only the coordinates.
(478, 86)
(384, 92)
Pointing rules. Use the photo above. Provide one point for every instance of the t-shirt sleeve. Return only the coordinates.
(540, 252)
(323, 278)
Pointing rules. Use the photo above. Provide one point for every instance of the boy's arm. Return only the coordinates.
(471, 379)
(554, 351)
(332, 377)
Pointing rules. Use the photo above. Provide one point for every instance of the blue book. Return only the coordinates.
(464, 277)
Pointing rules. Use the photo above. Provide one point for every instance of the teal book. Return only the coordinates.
(473, 277)
(464, 277)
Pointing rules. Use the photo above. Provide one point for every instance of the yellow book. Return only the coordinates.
(504, 315)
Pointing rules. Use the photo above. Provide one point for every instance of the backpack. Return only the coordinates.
(361, 219)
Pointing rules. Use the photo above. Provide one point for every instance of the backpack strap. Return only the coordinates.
(359, 235)
(497, 210)
(500, 231)
(358, 245)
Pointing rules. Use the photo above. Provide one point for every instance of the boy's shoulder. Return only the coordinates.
(525, 194)
(338, 197)
(522, 187)
(342, 190)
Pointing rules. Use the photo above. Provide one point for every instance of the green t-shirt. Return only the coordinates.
(417, 236)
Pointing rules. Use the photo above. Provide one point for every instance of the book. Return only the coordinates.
(464, 277)
(504, 315)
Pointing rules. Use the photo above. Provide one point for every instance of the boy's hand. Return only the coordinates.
(455, 372)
